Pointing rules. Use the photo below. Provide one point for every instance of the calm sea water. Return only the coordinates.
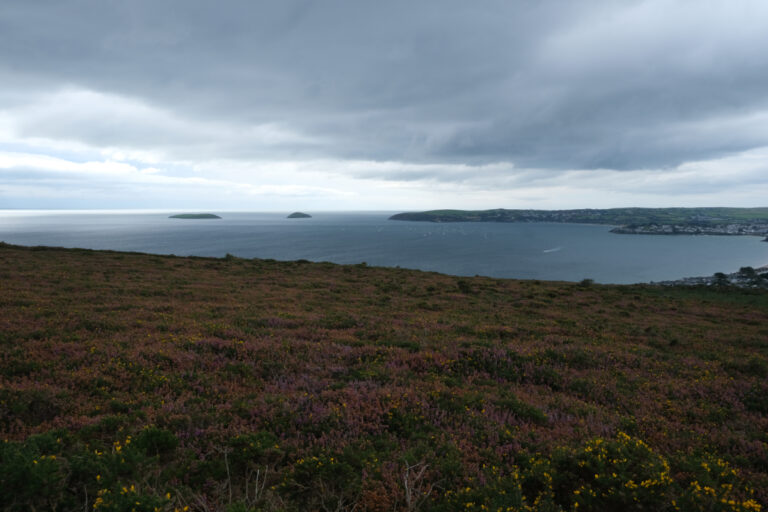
(568, 252)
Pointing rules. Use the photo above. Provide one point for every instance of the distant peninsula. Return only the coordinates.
(651, 221)
(194, 216)
(299, 215)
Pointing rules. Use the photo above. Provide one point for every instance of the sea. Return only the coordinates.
(543, 251)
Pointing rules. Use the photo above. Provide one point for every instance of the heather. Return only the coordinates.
(142, 382)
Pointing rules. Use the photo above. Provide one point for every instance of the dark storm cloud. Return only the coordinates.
(559, 85)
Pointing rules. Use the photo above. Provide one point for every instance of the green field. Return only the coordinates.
(143, 382)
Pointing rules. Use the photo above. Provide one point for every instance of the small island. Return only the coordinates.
(299, 215)
(194, 216)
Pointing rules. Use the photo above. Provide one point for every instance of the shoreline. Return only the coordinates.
(734, 279)
(746, 277)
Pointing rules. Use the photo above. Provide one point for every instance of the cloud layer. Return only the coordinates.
(385, 104)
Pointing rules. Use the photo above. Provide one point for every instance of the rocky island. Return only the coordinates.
(654, 221)
(299, 215)
(194, 216)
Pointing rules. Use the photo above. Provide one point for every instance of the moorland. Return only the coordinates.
(159, 383)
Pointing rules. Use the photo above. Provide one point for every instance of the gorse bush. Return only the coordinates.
(31, 478)
(55, 471)
(129, 499)
(155, 441)
(617, 474)
(621, 473)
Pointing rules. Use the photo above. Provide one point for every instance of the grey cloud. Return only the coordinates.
(561, 85)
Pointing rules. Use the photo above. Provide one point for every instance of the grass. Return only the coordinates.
(132, 381)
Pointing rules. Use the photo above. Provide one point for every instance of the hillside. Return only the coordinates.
(712, 221)
(143, 382)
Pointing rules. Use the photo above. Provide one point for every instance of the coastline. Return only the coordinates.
(635, 221)
(746, 277)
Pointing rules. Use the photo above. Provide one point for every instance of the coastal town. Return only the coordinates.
(756, 229)
(746, 277)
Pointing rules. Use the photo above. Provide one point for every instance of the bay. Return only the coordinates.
(546, 251)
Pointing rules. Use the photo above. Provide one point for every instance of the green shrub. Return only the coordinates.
(155, 441)
(756, 399)
(496, 493)
(522, 410)
(256, 449)
(712, 487)
(31, 407)
(620, 474)
(338, 321)
(323, 482)
(30, 479)
(465, 287)
(126, 498)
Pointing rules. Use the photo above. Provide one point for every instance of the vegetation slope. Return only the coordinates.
(142, 382)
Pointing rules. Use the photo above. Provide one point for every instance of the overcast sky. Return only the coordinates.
(386, 105)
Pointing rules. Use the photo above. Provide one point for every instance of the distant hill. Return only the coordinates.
(299, 215)
(194, 216)
(713, 221)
